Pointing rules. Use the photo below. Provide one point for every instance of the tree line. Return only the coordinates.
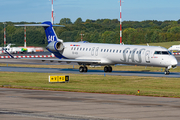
(96, 31)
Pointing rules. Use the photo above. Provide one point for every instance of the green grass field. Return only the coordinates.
(148, 86)
(164, 44)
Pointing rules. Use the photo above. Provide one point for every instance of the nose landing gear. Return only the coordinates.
(166, 72)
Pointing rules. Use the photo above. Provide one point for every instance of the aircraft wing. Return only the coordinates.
(66, 60)
(60, 60)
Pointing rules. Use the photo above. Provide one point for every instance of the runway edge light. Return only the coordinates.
(58, 79)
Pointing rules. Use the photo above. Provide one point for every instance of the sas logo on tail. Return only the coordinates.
(51, 38)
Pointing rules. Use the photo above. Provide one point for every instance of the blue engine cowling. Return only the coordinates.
(55, 46)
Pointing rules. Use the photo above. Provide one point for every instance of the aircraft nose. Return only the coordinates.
(174, 62)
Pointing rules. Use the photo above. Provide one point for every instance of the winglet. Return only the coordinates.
(9, 53)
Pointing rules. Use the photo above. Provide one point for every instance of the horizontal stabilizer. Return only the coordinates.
(42, 25)
(58, 25)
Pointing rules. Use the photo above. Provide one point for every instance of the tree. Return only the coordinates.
(178, 21)
(78, 21)
(107, 21)
(174, 30)
(88, 21)
(64, 21)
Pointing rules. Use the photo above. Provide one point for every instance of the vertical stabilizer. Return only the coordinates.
(50, 33)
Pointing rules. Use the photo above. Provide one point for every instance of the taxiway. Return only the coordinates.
(76, 71)
(20, 104)
(98, 72)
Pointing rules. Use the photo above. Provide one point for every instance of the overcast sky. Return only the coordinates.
(133, 10)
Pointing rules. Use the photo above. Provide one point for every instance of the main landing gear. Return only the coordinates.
(166, 72)
(107, 69)
(83, 69)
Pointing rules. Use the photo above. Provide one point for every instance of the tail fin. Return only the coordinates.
(48, 27)
(50, 33)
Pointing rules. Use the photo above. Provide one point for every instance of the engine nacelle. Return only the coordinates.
(55, 46)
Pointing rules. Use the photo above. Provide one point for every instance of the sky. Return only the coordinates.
(132, 10)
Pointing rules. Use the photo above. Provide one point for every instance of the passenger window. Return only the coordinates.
(86, 49)
(89, 49)
(72, 48)
(120, 51)
(104, 50)
(80, 48)
(83, 49)
(110, 50)
(113, 50)
(101, 50)
(77, 48)
(137, 52)
(107, 50)
(116, 51)
(127, 51)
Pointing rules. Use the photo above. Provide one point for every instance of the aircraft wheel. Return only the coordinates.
(81, 69)
(106, 69)
(166, 72)
(109, 69)
(85, 69)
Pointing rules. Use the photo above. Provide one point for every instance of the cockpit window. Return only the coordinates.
(165, 52)
(169, 52)
(162, 53)
(157, 52)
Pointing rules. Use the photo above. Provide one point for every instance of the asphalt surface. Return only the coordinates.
(20, 104)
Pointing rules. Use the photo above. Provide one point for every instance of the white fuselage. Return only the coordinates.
(174, 48)
(110, 54)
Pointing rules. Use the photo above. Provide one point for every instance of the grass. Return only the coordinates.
(148, 86)
(164, 44)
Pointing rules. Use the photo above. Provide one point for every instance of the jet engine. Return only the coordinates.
(55, 46)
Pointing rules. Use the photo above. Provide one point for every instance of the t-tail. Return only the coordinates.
(55, 45)
(50, 33)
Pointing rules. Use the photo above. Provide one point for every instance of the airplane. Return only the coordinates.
(174, 48)
(85, 53)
